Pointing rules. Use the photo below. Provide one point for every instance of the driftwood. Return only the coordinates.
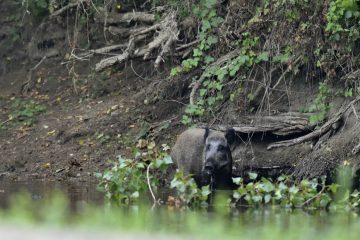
(333, 122)
(281, 125)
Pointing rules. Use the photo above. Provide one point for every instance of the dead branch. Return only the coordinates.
(356, 149)
(103, 50)
(116, 18)
(125, 32)
(119, 58)
(27, 85)
(181, 47)
(65, 8)
(317, 133)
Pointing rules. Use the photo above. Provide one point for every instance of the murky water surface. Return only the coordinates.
(77, 193)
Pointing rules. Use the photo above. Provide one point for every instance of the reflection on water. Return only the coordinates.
(76, 192)
(217, 222)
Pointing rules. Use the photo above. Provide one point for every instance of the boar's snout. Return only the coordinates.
(209, 167)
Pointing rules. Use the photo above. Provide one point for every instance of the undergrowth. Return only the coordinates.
(23, 112)
(148, 172)
(274, 45)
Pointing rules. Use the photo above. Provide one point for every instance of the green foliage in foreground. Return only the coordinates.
(263, 223)
(187, 190)
(129, 179)
(284, 192)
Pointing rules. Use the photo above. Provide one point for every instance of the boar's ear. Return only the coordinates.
(206, 134)
(230, 135)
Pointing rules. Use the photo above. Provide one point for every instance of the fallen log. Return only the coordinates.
(319, 132)
(281, 125)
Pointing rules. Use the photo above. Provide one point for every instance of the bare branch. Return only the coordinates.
(67, 7)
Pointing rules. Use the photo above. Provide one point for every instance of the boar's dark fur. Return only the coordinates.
(206, 155)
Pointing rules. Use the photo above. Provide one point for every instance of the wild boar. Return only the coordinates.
(206, 155)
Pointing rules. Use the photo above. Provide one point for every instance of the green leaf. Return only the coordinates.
(333, 187)
(203, 92)
(253, 176)
(257, 198)
(267, 198)
(135, 194)
(348, 14)
(237, 180)
(264, 56)
(293, 189)
(205, 25)
(211, 40)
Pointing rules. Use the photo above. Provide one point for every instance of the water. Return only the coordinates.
(217, 222)
(77, 193)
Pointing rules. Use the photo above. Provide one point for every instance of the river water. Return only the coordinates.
(77, 193)
(216, 222)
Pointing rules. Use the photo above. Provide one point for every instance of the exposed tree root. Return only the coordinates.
(103, 50)
(167, 35)
(333, 122)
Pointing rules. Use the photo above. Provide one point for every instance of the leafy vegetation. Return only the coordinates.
(288, 26)
(127, 179)
(130, 178)
(24, 112)
(38, 8)
(343, 21)
(187, 190)
(321, 105)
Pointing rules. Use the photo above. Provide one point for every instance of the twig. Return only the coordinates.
(314, 197)
(187, 45)
(8, 120)
(149, 185)
(25, 86)
(70, 5)
(354, 111)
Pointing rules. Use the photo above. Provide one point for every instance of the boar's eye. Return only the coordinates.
(207, 147)
(221, 148)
